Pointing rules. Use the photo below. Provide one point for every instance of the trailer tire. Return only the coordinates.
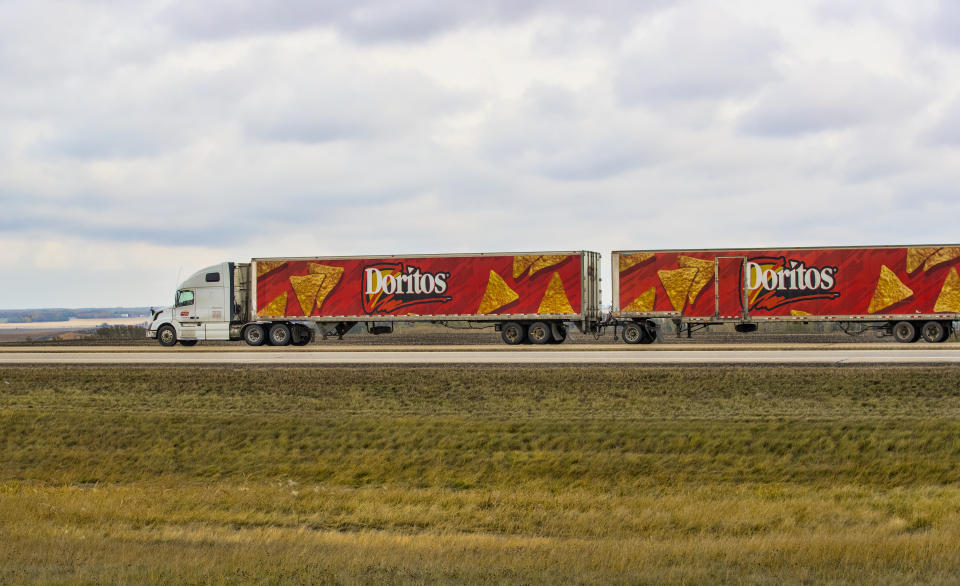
(280, 335)
(539, 333)
(633, 333)
(188, 343)
(933, 332)
(254, 335)
(905, 332)
(513, 333)
(167, 336)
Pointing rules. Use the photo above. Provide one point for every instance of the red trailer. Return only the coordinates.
(528, 297)
(906, 291)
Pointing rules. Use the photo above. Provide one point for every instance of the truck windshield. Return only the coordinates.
(184, 298)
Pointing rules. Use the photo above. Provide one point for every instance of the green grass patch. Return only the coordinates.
(479, 474)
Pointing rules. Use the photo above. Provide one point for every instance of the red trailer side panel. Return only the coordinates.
(474, 286)
(789, 283)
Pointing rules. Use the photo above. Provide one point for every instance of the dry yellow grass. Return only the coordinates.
(480, 475)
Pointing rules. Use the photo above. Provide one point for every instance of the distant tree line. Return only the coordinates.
(120, 333)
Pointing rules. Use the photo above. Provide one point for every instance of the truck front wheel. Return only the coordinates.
(254, 335)
(167, 336)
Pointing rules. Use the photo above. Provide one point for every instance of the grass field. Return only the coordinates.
(480, 474)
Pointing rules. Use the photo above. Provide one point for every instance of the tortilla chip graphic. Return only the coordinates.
(916, 257)
(555, 298)
(265, 266)
(497, 295)
(521, 264)
(332, 276)
(277, 307)
(677, 284)
(705, 270)
(644, 302)
(628, 261)
(941, 256)
(306, 288)
(798, 313)
(547, 260)
(890, 290)
(949, 299)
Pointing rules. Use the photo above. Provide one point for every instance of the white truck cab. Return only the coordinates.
(204, 307)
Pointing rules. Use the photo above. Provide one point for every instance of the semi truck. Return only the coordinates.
(908, 292)
(529, 297)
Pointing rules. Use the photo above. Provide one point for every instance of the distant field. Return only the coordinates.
(480, 474)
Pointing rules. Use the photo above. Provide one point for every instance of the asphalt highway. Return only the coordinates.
(453, 355)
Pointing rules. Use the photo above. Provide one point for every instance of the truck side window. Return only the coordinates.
(213, 277)
(185, 298)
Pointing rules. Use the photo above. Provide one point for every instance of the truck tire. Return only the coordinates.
(513, 333)
(254, 335)
(539, 333)
(279, 335)
(633, 333)
(188, 343)
(905, 332)
(933, 332)
(167, 336)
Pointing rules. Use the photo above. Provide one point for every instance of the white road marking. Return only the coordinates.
(271, 357)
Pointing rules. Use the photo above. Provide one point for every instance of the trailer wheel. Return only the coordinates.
(559, 332)
(188, 343)
(905, 332)
(633, 333)
(279, 335)
(933, 332)
(254, 335)
(167, 336)
(539, 333)
(513, 333)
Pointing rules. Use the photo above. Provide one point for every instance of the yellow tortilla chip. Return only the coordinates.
(949, 299)
(890, 290)
(677, 284)
(705, 270)
(265, 266)
(521, 264)
(555, 298)
(547, 260)
(798, 313)
(277, 307)
(916, 257)
(628, 261)
(644, 302)
(497, 295)
(941, 256)
(331, 278)
(306, 288)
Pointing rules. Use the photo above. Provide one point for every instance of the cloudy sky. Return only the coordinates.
(142, 140)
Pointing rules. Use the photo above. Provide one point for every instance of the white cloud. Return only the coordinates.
(140, 138)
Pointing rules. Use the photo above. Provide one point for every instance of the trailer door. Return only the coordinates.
(729, 292)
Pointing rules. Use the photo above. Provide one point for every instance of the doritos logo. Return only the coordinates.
(388, 287)
(773, 282)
